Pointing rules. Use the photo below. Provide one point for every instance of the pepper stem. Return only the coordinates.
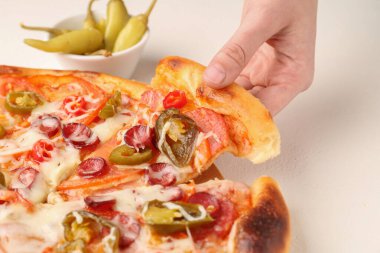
(149, 10)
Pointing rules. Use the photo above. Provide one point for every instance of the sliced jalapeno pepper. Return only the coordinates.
(81, 227)
(110, 108)
(73, 246)
(125, 155)
(22, 102)
(175, 136)
(171, 217)
(107, 111)
(2, 132)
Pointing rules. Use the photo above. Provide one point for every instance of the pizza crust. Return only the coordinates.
(232, 101)
(266, 227)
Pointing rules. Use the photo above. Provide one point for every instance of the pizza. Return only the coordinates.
(95, 163)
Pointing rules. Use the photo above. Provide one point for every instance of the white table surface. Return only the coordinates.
(329, 168)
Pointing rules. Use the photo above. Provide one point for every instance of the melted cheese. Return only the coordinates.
(184, 213)
(30, 137)
(46, 108)
(110, 126)
(130, 200)
(60, 166)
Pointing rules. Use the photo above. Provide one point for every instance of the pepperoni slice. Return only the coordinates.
(80, 135)
(221, 226)
(48, 125)
(208, 201)
(138, 137)
(27, 176)
(100, 203)
(42, 150)
(130, 230)
(92, 167)
(153, 99)
(161, 173)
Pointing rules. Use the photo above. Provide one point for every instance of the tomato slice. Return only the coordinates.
(114, 179)
(11, 83)
(42, 150)
(74, 105)
(57, 88)
(175, 99)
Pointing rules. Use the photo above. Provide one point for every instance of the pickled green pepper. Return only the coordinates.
(89, 21)
(52, 31)
(117, 17)
(22, 102)
(74, 42)
(171, 217)
(125, 155)
(133, 30)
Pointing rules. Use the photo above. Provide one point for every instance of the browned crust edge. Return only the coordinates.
(266, 228)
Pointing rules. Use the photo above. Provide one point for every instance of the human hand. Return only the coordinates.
(271, 54)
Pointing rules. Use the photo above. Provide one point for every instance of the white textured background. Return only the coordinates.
(329, 168)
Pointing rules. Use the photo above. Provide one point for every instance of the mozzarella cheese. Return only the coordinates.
(110, 126)
(60, 166)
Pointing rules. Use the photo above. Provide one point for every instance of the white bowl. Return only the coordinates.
(121, 64)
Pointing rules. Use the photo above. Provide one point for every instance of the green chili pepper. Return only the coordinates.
(89, 21)
(22, 102)
(179, 137)
(107, 111)
(52, 31)
(133, 30)
(101, 25)
(2, 132)
(80, 228)
(125, 155)
(72, 246)
(117, 17)
(110, 108)
(74, 42)
(169, 220)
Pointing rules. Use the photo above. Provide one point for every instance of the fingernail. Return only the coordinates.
(214, 75)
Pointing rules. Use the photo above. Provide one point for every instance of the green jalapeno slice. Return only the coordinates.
(22, 102)
(81, 227)
(125, 155)
(176, 135)
(171, 217)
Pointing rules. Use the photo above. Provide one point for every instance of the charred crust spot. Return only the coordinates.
(175, 63)
(264, 229)
(8, 70)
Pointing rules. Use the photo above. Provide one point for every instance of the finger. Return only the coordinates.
(227, 64)
(243, 80)
(276, 97)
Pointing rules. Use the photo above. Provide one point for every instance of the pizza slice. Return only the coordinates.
(115, 133)
(216, 216)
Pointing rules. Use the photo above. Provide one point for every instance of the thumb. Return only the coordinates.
(228, 63)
